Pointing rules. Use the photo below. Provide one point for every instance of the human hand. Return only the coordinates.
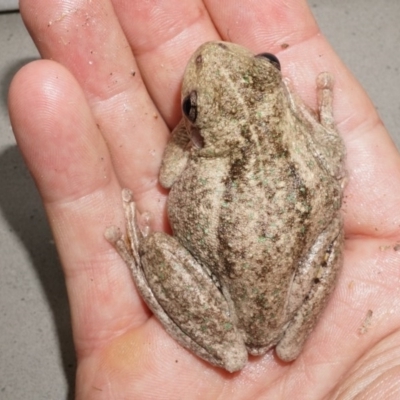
(99, 117)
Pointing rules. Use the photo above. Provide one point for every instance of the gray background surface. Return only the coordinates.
(7, 5)
(36, 352)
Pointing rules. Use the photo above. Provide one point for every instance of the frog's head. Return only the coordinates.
(225, 88)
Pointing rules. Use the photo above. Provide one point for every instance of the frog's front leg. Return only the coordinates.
(310, 289)
(323, 140)
(175, 155)
(180, 293)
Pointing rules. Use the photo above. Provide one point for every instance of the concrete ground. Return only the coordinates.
(36, 352)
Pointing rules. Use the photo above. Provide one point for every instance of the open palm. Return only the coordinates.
(96, 118)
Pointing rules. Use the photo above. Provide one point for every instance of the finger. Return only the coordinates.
(87, 38)
(70, 163)
(290, 31)
(163, 36)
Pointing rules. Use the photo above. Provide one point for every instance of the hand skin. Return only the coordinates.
(94, 115)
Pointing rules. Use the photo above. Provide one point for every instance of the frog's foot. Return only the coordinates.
(324, 140)
(127, 246)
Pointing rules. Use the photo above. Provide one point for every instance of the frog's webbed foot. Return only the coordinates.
(310, 290)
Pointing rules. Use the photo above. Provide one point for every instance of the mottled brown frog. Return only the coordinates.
(256, 189)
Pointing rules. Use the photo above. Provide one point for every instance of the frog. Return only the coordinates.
(256, 183)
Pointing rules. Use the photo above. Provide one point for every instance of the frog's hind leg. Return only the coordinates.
(310, 290)
(179, 292)
(127, 247)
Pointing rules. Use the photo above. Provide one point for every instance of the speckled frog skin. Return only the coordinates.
(256, 189)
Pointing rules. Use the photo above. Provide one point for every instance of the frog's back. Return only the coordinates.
(251, 215)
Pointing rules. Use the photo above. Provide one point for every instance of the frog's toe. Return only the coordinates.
(113, 234)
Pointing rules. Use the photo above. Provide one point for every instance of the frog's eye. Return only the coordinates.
(272, 59)
(189, 106)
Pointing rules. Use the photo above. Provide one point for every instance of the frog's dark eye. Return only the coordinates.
(189, 106)
(272, 59)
